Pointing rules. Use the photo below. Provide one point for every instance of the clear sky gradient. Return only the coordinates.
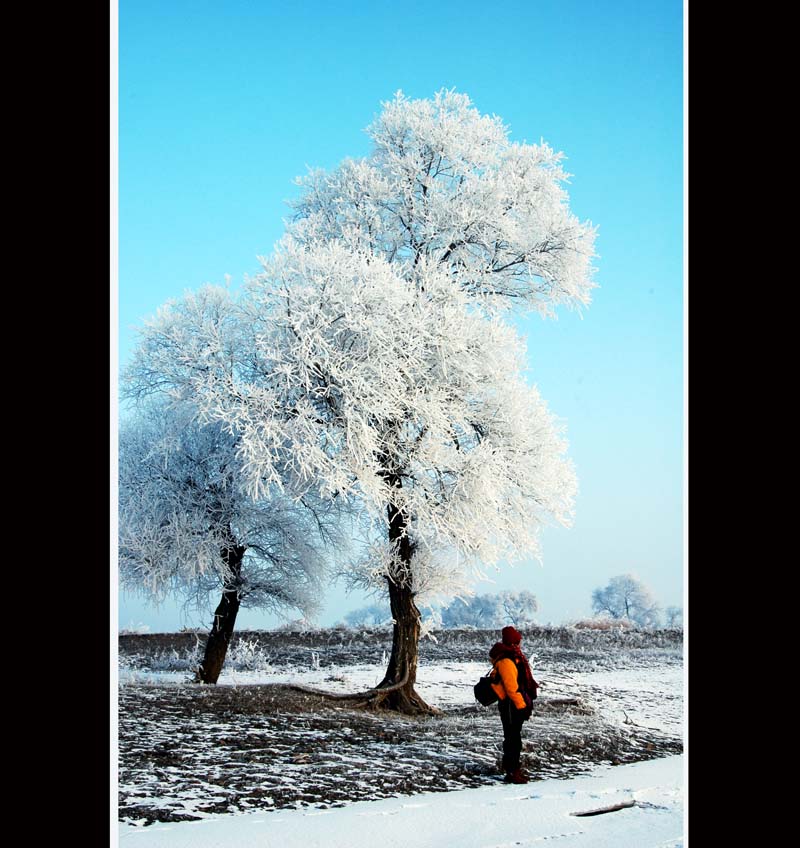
(222, 104)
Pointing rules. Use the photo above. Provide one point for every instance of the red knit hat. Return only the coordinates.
(511, 636)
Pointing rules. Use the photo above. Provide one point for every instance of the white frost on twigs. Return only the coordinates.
(370, 365)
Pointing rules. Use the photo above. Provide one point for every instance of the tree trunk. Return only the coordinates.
(401, 674)
(224, 619)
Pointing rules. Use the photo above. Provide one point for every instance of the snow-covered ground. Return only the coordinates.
(217, 763)
(647, 696)
(497, 816)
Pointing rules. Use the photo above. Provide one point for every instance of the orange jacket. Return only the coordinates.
(508, 685)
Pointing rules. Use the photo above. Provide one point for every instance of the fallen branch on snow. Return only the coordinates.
(612, 809)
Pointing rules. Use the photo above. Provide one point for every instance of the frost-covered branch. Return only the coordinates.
(394, 395)
(369, 364)
(444, 183)
(183, 510)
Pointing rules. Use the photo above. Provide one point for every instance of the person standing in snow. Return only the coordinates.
(513, 682)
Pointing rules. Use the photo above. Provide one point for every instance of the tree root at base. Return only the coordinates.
(375, 699)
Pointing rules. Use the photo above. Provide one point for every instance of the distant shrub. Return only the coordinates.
(299, 625)
(243, 655)
(603, 624)
(247, 655)
(172, 660)
(135, 629)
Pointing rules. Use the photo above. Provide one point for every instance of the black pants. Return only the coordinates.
(512, 734)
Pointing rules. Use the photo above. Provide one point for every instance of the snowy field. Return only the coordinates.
(245, 752)
(537, 814)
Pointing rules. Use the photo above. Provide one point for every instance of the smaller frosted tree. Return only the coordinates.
(481, 611)
(186, 528)
(491, 610)
(372, 615)
(626, 597)
(673, 616)
(519, 607)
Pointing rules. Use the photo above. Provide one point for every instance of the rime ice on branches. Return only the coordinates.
(377, 368)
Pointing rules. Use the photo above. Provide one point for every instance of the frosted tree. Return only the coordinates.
(482, 611)
(381, 371)
(673, 617)
(372, 615)
(491, 610)
(626, 597)
(187, 527)
(519, 607)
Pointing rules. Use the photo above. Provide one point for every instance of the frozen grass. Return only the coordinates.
(189, 751)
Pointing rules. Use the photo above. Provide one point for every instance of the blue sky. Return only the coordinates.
(222, 105)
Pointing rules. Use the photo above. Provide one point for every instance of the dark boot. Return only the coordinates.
(516, 776)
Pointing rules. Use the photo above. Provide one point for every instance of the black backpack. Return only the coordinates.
(487, 696)
(483, 689)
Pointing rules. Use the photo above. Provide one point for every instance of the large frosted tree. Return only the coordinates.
(380, 369)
